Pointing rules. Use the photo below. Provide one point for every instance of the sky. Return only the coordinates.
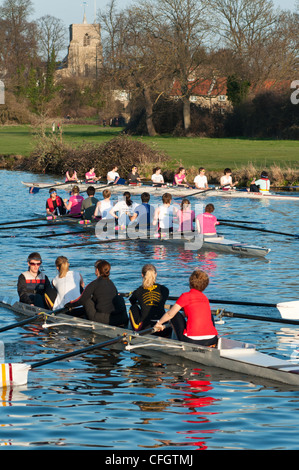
(71, 11)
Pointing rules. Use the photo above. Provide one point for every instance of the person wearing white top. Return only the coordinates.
(125, 209)
(164, 215)
(226, 181)
(157, 178)
(104, 206)
(201, 181)
(67, 283)
(113, 176)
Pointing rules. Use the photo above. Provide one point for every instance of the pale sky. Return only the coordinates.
(71, 11)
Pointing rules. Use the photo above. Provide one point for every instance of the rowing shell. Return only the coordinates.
(191, 241)
(175, 191)
(231, 355)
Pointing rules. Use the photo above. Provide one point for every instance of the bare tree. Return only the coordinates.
(52, 36)
(19, 45)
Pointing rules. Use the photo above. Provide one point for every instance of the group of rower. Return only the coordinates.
(101, 302)
(180, 179)
(126, 212)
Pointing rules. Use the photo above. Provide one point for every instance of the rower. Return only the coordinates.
(201, 181)
(261, 185)
(124, 210)
(164, 215)
(180, 178)
(101, 300)
(145, 212)
(226, 181)
(54, 204)
(91, 177)
(75, 202)
(196, 325)
(206, 222)
(103, 207)
(148, 301)
(71, 176)
(33, 284)
(133, 177)
(89, 204)
(113, 176)
(68, 284)
(186, 217)
(157, 178)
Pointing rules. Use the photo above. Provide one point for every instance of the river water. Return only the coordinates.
(115, 400)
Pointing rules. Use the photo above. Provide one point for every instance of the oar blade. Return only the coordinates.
(289, 310)
(13, 375)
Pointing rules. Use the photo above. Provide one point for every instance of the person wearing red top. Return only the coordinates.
(197, 325)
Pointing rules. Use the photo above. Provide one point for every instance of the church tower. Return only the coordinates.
(85, 52)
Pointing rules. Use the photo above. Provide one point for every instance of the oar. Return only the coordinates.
(258, 318)
(32, 319)
(23, 221)
(99, 242)
(260, 230)
(17, 374)
(240, 221)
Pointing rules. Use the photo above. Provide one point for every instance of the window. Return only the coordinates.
(86, 41)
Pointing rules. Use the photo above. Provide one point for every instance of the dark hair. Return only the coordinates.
(104, 268)
(90, 191)
(227, 170)
(264, 174)
(199, 280)
(145, 197)
(127, 196)
(185, 202)
(209, 208)
(34, 255)
(167, 198)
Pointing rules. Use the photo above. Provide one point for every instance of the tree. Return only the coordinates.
(52, 37)
(19, 38)
(237, 89)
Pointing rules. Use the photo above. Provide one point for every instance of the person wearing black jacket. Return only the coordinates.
(101, 300)
(148, 300)
(33, 284)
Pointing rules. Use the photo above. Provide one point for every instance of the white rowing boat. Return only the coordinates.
(174, 190)
(190, 240)
(231, 355)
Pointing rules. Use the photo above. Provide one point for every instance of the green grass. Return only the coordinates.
(214, 154)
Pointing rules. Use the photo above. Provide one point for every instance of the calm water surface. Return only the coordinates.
(116, 400)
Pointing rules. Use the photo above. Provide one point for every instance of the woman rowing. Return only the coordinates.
(73, 205)
(71, 176)
(91, 177)
(147, 302)
(206, 222)
(180, 178)
(124, 210)
(186, 217)
(196, 325)
(226, 181)
(33, 283)
(68, 284)
(101, 300)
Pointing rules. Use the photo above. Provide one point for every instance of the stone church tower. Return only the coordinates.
(85, 52)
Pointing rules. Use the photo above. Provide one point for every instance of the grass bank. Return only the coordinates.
(214, 154)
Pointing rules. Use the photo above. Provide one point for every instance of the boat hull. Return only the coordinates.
(231, 355)
(175, 191)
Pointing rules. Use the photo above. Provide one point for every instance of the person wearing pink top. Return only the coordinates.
(186, 217)
(90, 176)
(180, 178)
(206, 222)
(75, 202)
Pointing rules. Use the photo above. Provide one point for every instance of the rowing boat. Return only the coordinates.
(190, 240)
(231, 355)
(175, 191)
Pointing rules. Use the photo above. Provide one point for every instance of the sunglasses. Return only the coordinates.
(32, 263)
